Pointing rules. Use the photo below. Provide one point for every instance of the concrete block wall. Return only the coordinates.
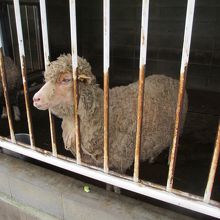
(38, 193)
(166, 29)
(165, 40)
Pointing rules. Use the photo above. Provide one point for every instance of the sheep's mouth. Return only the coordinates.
(41, 107)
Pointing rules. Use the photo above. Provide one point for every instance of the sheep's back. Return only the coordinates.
(160, 100)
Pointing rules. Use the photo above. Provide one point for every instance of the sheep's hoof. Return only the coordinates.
(117, 189)
(112, 188)
(4, 113)
(17, 113)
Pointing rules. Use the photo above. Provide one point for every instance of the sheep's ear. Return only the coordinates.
(84, 78)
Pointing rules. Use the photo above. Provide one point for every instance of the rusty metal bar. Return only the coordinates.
(23, 68)
(143, 56)
(213, 168)
(75, 83)
(46, 63)
(106, 122)
(6, 96)
(183, 74)
(106, 58)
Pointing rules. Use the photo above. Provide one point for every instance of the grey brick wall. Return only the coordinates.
(166, 29)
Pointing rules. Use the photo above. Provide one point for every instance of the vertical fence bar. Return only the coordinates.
(1, 39)
(37, 38)
(5, 90)
(28, 33)
(106, 36)
(143, 56)
(213, 168)
(11, 34)
(75, 84)
(183, 74)
(23, 68)
(43, 14)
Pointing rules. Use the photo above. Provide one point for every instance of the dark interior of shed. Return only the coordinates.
(165, 39)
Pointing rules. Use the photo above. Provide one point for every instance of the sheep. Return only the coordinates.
(14, 82)
(158, 113)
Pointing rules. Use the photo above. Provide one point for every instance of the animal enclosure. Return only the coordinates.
(119, 56)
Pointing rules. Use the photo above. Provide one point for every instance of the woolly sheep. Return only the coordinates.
(14, 83)
(158, 114)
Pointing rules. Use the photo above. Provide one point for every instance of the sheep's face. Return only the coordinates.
(54, 93)
(57, 92)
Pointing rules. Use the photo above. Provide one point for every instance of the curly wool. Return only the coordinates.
(158, 121)
(63, 64)
(160, 103)
(14, 81)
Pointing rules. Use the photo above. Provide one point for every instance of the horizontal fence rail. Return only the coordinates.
(151, 191)
(165, 193)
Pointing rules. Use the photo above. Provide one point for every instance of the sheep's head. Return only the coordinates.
(57, 92)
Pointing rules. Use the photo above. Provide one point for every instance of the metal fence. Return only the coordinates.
(164, 193)
(30, 14)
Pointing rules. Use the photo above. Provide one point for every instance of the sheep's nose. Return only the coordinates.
(36, 98)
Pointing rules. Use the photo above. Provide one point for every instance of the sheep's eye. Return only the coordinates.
(67, 80)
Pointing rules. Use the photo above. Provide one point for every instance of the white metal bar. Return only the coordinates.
(11, 34)
(106, 32)
(23, 67)
(144, 33)
(43, 14)
(72, 6)
(213, 167)
(28, 34)
(142, 63)
(44, 28)
(183, 74)
(19, 29)
(37, 36)
(187, 35)
(73, 37)
(117, 181)
(1, 38)
(106, 57)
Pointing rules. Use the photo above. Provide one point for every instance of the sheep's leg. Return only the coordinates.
(112, 188)
(109, 187)
(4, 113)
(117, 189)
(17, 113)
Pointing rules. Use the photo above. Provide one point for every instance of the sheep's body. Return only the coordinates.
(160, 101)
(14, 84)
(158, 122)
